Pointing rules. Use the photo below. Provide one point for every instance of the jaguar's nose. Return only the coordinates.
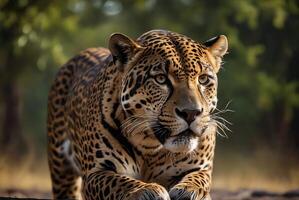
(188, 115)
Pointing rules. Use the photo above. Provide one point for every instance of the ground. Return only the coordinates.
(216, 195)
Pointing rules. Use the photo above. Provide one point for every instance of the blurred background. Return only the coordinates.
(259, 80)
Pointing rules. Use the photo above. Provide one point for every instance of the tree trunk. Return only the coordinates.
(282, 126)
(12, 141)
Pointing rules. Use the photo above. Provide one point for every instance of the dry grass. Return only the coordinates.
(254, 179)
(262, 170)
(27, 173)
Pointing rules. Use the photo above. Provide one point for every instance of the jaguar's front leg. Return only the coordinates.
(194, 186)
(108, 185)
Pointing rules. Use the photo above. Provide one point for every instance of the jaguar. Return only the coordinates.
(134, 121)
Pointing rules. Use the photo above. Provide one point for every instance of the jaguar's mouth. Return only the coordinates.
(187, 132)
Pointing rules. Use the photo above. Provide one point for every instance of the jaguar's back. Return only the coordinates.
(64, 174)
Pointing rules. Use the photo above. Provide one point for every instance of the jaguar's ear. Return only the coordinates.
(217, 46)
(122, 48)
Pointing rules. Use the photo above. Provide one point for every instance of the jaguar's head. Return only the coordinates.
(169, 87)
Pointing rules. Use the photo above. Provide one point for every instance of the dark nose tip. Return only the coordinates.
(188, 115)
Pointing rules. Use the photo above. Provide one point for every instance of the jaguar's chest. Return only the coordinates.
(168, 170)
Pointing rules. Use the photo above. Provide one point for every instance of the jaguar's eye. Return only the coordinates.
(203, 79)
(161, 79)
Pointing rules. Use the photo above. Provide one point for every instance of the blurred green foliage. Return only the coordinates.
(259, 77)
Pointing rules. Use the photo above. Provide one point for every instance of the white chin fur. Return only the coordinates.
(181, 145)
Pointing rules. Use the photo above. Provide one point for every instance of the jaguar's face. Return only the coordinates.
(170, 89)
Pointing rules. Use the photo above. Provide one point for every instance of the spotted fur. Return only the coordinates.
(133, 122)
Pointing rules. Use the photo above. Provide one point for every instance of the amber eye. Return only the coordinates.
(161, 79)
(203, 79)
